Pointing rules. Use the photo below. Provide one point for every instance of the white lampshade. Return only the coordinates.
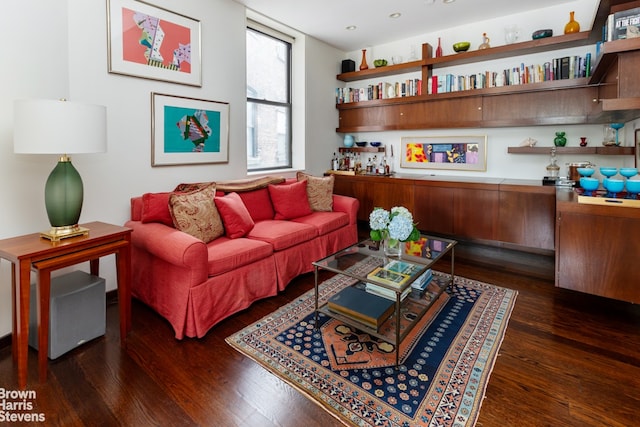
(45, 126)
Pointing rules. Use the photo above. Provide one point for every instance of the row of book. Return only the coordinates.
(622, 25)
(567, 67)
(382, 90)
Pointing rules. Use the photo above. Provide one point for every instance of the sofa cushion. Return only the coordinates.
(191, 186)
(325, 222)
(258, 203)
(235, 216)
(155, 208)
(319, 191)
(226, 254)
(195, 213)
(290, 200)
(282, 234)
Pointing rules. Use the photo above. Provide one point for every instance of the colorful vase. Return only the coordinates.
(363, 64)
(572, 26)
(560, 140)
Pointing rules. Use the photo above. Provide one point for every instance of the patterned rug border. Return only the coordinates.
(298, 310)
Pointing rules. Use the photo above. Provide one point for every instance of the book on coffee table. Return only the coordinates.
(362, 306)
(388, 277)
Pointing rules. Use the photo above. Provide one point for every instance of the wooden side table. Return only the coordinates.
(31, 252)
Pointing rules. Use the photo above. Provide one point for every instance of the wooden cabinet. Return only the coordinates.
(527, 215)
(596, 248)
(514, 213)
(375, 192)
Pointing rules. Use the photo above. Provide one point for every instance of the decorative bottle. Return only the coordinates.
(485, 42)
(560, 140)
(439, 49)
(363, 64)
(572, 26)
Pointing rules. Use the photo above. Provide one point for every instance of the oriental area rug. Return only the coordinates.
(445, 361)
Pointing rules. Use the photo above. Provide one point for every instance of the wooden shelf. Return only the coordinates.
(361, 149)
(387, 70)
(608, 55)
(602, 150)
(511, 50)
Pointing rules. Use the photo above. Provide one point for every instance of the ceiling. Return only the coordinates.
(326, 20)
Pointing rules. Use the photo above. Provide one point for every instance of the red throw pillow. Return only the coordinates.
(235, 216)
(290, 200)
(155, 208)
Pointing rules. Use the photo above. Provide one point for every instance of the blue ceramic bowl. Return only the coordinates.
(615, 185)
(361, 143)
(376, 144)
(633, 186)
(589, 184)
(628, 172)
(586, 171)
(608, 172)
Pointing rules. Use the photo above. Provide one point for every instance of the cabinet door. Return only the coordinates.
(597, 254)
(381, 117)
(540, 108)
(375, 192)
(433, 209)
(527, 218)
(442, 113)
(475, 213)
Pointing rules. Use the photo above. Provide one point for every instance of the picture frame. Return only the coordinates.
(150, 42)
(463, 153)
(188, 131)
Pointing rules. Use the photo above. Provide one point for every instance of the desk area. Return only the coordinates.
(32, 253)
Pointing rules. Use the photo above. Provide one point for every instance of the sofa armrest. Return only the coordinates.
(348, 205)
(172, 246)
(136, 208)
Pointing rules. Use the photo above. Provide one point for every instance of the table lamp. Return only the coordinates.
(60, 127)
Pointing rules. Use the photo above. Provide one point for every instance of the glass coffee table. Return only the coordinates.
(385, 281)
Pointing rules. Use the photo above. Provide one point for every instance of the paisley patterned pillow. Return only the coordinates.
(195, 213)
(319, 191)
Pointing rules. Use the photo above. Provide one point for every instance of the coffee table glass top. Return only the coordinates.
(421, 253)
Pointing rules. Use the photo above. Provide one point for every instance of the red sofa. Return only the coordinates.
(195, 285)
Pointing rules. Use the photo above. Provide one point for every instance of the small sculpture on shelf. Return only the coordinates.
(529, 142)
(583, 141)
(485, 42)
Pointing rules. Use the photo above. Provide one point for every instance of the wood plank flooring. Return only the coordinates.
(567, 359)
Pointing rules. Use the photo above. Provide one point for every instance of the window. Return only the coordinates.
(268, 99)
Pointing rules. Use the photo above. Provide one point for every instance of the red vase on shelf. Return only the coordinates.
(572, 26)
(363, 64)
(439, 49)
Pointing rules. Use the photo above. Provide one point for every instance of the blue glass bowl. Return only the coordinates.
(615, 185)
(633, 186)
(375, 144)
(628, 172)
(608, 172)
(361, 143)
(589, 184)
(586, 171)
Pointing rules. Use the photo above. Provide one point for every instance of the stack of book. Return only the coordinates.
(387, 293)
(362, 306)
(421, 283)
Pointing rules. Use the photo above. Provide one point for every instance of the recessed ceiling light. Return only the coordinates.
(350, 28)
(395, 15)
(448, 1)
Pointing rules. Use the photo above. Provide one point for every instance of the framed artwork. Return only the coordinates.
(153, 43)
(465, 153)
(188, 131)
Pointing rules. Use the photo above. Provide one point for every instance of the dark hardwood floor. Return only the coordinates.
(568, 359)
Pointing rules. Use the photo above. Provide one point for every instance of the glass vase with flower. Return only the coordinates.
(391, 228)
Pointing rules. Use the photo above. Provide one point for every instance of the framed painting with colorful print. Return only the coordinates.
(154, 43)
(464, 153)
(188, 131)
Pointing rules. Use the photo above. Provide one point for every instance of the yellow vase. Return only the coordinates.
(572, 26)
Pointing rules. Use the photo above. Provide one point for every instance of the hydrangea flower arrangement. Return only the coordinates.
(396, 225)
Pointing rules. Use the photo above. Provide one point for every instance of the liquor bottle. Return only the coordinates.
(335, 163)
